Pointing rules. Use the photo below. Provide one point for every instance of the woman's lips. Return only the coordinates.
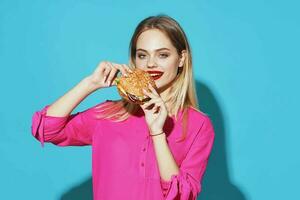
(155, 74)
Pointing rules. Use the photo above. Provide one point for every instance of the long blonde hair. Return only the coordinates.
(182, 92)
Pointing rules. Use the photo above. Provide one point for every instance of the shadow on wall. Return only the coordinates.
(216, 181)
(80, 192)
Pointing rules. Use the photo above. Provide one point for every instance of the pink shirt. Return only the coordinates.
(124, 164)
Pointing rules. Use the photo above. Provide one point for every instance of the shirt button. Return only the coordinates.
(142, 164)
(144, 149)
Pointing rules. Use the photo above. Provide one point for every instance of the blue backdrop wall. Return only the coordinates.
(246, 64)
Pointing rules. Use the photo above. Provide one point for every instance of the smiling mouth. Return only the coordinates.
(156, 76)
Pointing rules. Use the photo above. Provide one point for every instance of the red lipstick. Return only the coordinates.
(155, 74)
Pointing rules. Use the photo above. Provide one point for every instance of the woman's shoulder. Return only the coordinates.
(201, 120)
(103, 103)
(90, 111)
(197, 114)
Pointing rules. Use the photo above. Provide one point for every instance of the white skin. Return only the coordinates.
(150, 57)
(156, 52)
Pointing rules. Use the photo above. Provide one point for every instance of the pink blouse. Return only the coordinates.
(124, 164)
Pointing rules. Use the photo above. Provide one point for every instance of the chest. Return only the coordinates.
(128, 146)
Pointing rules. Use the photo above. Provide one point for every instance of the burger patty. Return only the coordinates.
(134, 98)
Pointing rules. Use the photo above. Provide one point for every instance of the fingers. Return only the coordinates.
(122, 67)
(155, 99)
(106, 72)
(113, 69)
(153, 89)
(149, 103)
(112, 74)
(152, 93)
(153, 106)
(156, 108)
(127, 68)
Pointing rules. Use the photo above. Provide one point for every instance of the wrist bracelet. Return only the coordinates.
(157, 134)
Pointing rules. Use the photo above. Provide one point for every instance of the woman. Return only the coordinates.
(158, 150)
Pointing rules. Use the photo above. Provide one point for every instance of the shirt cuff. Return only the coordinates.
(179, 185)
(43, 125)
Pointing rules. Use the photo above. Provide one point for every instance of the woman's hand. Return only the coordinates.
(106, 72)
(157, 115)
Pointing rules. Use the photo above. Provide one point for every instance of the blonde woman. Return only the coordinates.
(155, 151)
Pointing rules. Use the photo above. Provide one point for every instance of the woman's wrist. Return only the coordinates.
(92, 86)
(159, 136)
(156, 132)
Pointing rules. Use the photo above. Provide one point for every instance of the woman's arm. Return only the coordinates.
(55, 123)
(69, 101)
(185, 182)
(102, 77)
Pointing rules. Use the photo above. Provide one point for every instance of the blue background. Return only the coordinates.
(246, 64)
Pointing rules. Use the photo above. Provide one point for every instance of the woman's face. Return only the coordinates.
(155, 53)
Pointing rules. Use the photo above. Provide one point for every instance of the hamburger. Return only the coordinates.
(131, 87)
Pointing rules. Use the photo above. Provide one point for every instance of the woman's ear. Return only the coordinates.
(182, 58)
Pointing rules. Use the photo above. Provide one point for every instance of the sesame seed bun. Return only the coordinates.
(131, 87)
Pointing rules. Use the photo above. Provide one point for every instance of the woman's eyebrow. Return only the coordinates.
(154, 49)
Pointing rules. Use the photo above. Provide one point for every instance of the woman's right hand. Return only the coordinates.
(106, 72)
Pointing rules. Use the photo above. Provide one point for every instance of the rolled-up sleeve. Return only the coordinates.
(73, 130)
(186, 185)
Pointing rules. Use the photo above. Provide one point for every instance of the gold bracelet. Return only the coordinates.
(157, 134)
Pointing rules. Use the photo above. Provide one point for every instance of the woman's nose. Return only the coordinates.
(151, 62)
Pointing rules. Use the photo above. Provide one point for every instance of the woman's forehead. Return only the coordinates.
(153, 40)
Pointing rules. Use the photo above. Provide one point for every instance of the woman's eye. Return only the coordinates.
(163, 55)
(141, 56)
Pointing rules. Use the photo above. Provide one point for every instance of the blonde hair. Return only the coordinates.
(182, 92)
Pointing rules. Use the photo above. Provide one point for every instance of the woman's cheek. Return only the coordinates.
(168, 63)
(141, 63)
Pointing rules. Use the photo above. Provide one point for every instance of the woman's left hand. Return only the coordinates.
(157, 115)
